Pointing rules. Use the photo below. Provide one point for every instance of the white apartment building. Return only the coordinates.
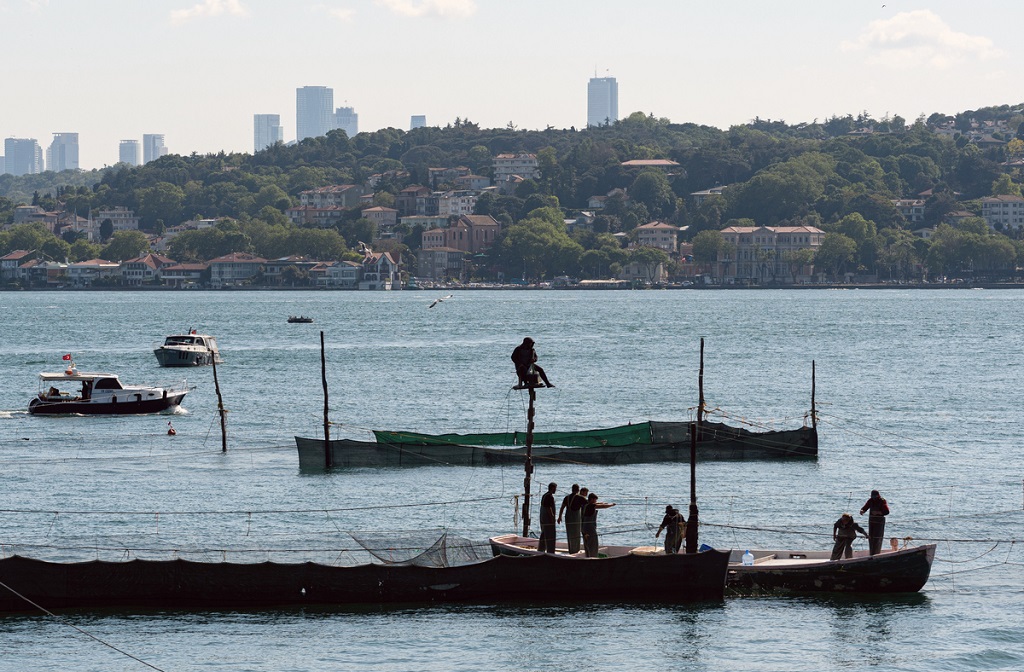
(522, 164)
(1003, 212)
(658, 235)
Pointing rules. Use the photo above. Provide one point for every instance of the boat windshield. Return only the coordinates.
(180, 340)
(108, 384)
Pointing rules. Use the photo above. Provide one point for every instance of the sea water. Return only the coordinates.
(918, 396)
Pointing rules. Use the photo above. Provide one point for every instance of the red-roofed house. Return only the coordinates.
(144, 270)
(237, 268)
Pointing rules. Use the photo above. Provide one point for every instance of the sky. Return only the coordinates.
(197, 70)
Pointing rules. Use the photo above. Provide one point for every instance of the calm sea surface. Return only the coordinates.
(919, 394)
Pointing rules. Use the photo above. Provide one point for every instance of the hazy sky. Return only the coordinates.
(197, 70)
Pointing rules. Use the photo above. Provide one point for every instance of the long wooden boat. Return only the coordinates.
(776, 572)
(773, 572)
(182, 584)
(628, 444)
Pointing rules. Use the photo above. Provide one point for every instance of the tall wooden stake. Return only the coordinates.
(693, 520)
(220, 408)
(528, 466)
(814, 412)
(328, 457)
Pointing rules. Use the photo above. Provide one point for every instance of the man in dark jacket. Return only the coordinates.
(524, 356)
(547, 520)
(844, 531)
(878, 509)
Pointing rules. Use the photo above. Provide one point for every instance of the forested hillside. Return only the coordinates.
(841, 175)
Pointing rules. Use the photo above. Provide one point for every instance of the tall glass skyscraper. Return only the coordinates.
(347, 120)
(62, 154)
(266, 130)
(153, 147)
(602, 101)
(128, 152)
(23, 156)
(314, 111)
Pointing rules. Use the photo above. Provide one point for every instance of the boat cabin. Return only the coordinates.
(201, 341)
(76, 386)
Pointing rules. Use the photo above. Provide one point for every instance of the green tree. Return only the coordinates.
(106, 229)
(540, 248)
(1004, 186)
(126, 245)
(163, 201)
(83, 250)
(835, 254)
(651, 188)
(648, 259)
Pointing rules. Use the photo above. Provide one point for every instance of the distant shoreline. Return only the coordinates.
(868, 286)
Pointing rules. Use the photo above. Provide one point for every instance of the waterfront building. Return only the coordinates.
(759, 254)
(470, 233)
(347, 120)
(602, 101)
(379, 272)
(267, 130)
(23, 156)
(314, 111)
(144, 270)
(128, 152)
(237, 268)
(153, 147)
(62, 154)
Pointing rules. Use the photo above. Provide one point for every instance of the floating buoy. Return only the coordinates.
(170, 430)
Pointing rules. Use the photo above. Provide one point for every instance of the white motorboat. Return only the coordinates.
(74, 392)
(189, 349)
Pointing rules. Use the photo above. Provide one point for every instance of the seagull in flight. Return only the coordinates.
(439, 300)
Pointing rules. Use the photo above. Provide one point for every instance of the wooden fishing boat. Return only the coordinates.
(299, 319)
(183, 584)
(786, 571)
(780, 571)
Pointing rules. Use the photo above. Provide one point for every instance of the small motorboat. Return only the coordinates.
(299, 319)
(189, 349)
(75, 392)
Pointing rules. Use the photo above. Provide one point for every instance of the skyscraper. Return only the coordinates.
(23, 156)
(417, 121)
(347, 120)
(602, 101)
(266, 130)
(62, 154)
(128, 152)
(153, 147)
(314, 111)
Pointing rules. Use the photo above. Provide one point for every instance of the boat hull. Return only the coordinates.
(903, 571)
(182, 584)
(171, 358)
(669, 443)
(44, 407)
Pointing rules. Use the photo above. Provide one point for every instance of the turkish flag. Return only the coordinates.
(67, 358)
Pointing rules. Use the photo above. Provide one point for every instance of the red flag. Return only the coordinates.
(67, 358)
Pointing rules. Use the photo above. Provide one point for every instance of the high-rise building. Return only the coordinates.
(347, 120)
(602, 101)
(266, 130)
(23, 156)
(62, 154)
(128, 152)
(153, 147)
(314, 111)
(417, 121)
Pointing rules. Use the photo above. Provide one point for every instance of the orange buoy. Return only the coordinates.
(170, 430)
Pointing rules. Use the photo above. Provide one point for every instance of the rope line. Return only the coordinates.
(63, 621)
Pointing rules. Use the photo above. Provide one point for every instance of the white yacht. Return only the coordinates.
(99, 394)
(189, 349)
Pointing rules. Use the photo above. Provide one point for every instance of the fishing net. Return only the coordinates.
(423, 548)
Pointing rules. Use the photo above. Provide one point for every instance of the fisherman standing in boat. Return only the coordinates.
(524, 356)
(878, 509)
(590, 541)
(844, 531)
(572, 508)
(547, 520)
(672, 524)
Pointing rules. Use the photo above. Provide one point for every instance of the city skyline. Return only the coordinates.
(719, 64)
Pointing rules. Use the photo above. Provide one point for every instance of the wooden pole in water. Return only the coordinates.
(220, 408)
(693, 520)
(814, 412)
(328, 457)
(528, 466)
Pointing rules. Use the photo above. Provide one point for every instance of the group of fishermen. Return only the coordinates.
(579, 511)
